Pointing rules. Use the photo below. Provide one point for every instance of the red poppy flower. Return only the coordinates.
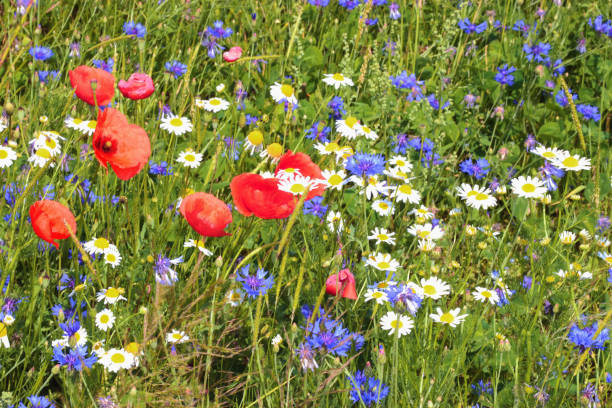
(336, 281)
(81, 79)
(258, 196)
(48, 218)
(138, 86)
(206, 214)
(125, 146)
(301, 162)
(232, 54)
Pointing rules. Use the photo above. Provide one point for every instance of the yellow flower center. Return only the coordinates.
(528, 188)
(405, 189)
(118, 358)
(132, 348)
(215, 102)
(366, 129)
(177, 336)
(189, 157)
(111, 257)
(429, 290)
(287, 90)
(570, 162)
(423, 233)
(104, 319)
(298, 188)
(3, 154)
(549, 155)
(44, 153)
(382, 285)
(338, 77)
(383, 205)
(350, 121)
(447, 318)
(101, 243)
(112, 293)
(92, 124)
(332, 147)
(486, 294)
(275, 150)
(383, 237)
(176, 122)
(335, 180)
(255, 137)
(481, 196)
(77, 121)
(377, 295)
(472, 193)
(384, 265)
(397, 324)
(50, 143)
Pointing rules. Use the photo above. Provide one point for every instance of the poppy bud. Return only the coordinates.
(206, 214)
(138, 86)
(337, 281)
(51, 220)
(232, 54)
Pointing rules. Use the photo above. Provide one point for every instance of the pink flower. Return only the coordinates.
(338, 281)
(232, 54)
(138, 86)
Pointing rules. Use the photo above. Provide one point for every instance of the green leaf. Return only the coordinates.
(519, 208)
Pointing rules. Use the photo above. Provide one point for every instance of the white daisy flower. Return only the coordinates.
(337, 80)
(401, 163)
(273, 151)
(177, 336)
(334, 221)
(574, 272)
(570, 162)
(452, 317)
(374, 187)
(528, 187)
(383, 207)
(191, 243)
(549, 153)
(396, 173)
(98, 348)
(348, 127)
(7, 156)
(422, 212)
(110, 295)
(584, 234)
(426, 245)
(476, 197)
(366, 131)
(486, 295)
(382, 262)
(216, 105)
(328, 148)
(344, 153)
(189, 158)
(254, 141)
(405, 193)
(276, 340)
(135, 350)
(105, 319)
(41, 157)
(48, 140)
(382, 235)
(220, 88)
(334, 179)
(79, 338)
(116, 359)
(605, 256)
(176, 125)
(98, 246)
(4, 340)
(377, 295)
(426, 231)
(8, 320)
(567, 237)
(112, 256)
(281, 93)
(235, 297)
(297, 184)
(393, 322)
(88, 127)
(434, 288)
(602, 241)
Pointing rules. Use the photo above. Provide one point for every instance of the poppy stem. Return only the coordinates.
(296, 211)
(84, 254)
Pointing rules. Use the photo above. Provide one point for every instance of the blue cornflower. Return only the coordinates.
(426, 145)
(218, 31)
(400, 143)
(599, 26)
(41, 53)
(337, 106)
(307, 357)
(561, 98)
(469, 27)
(371, 21)
(394, 13)
(40, 402)
(435, 103)
(45, 76)
(482, 388)
(176, 68)
(75, 359)
(329, 336)
(589, 112)
(364, 164)
(522, 27)
(431, 159)
(589, 394)
(477, 169)
(504, 75)
(527, 282)
(548, 171)
(161, 169)
(255, 285)
(232, 148)
(557, 67)
(583, 338)
(368, 390)
(210, 42)
(314, 206)
(107, 66)
(70, 327)
(538, 52)
(319, 3)
(503, 299)
(164, 274)
(581, 46)
(409, 82)
(349, 4)
(319, 132)
(379, 2)
(47, 193)
(404, 296)
(250, 120)
(66, 282)
(603, 223)
(11, 305)
(136, 29)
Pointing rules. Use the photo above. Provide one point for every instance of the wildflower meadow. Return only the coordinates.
(305, 203)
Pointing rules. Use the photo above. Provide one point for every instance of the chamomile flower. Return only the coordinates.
(78, 338)
(602, 241)
(191, 243)
(426, 245)
(344, 153)
(112, 256)
(7, 156)
(377, 295)
(476, 197)
(98, 348)
(584, 234)
(297, 184)
(549, 153)
(383, 207)
(216, 105)
(605, 256)
(486, 295)
(4, 340)
(384, 285)
(574, 272)
(327, 148)
(88, 127)
(452, 317)
(406, 193)
(3, 124)
(254, 141)
(73, 123)
(395, 322)
(566, 161)
(189, 158)
(235, 297)
(567, 237)
(382, 235)
(176, 125)
(177, 336)
(40, 157)
(334, 221)
(105, 319)
(348, 127)
(333, 179)
(277, 340)
(116, 359)
(373, 187)
(98, 246)
(401, 163)
(434, 288)
(48, 140)
(422, 212)
(273, 151)
(199, 102)
(337, 80)
(366, 131)
(283, 93)
(426, 231)
(528, 187)
(136, 351)
(382, 262)
(110, 295)
(8, 320)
